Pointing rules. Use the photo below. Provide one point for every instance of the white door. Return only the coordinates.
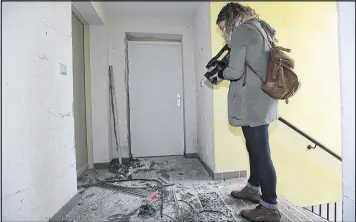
(80, 130)
(155, 90)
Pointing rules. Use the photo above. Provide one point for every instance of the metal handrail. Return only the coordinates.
(316, 143)
(330, 215)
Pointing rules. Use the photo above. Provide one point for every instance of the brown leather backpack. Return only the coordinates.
(281, 80)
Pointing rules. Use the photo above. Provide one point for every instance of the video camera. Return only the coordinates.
(219, 65)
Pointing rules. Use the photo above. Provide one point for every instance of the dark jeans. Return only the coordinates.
(262, 172)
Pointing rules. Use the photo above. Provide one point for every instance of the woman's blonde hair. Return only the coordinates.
(234, 14)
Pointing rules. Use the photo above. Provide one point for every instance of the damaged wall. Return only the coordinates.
(204, 95)
(39, 173)
(118, 26)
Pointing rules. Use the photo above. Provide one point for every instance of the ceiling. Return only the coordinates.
(152, 8)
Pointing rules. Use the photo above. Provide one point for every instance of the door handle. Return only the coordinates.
(178, 99)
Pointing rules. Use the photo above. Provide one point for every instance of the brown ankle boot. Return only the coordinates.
(261, 214)
(247, 194)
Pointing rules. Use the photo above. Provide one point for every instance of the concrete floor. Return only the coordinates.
(191, 194)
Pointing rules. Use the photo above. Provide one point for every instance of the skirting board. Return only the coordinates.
(228, 175)
(66, 208)
(82, 170)
(220, 175)
(101, 165)
(107, 164)
(191, 156)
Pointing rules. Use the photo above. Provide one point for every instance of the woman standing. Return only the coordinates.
(248, 106)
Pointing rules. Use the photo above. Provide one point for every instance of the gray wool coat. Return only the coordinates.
(248, 105)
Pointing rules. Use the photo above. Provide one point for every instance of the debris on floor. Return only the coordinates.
(153, 197)
(146, 211)
(125, 170)
(157, 189)
(213, 202)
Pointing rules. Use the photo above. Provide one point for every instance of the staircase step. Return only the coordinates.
(213, 202)
(289, 211)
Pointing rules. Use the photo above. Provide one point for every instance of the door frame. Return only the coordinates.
(87, 86)
(127, 83)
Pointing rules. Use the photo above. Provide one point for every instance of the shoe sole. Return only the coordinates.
(248, 218)
(252, 201)
(255, 220)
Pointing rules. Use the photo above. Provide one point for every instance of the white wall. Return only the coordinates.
(204, 97)
(117, 27)
(39, 172)
(0, 106)
(99, 8)
(347, 73)
(100, 94)
(93, 12)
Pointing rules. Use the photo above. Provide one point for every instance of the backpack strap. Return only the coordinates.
(266, 40)
(247, 65)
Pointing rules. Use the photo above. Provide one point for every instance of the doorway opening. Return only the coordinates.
(81, 93)
(155, 98)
